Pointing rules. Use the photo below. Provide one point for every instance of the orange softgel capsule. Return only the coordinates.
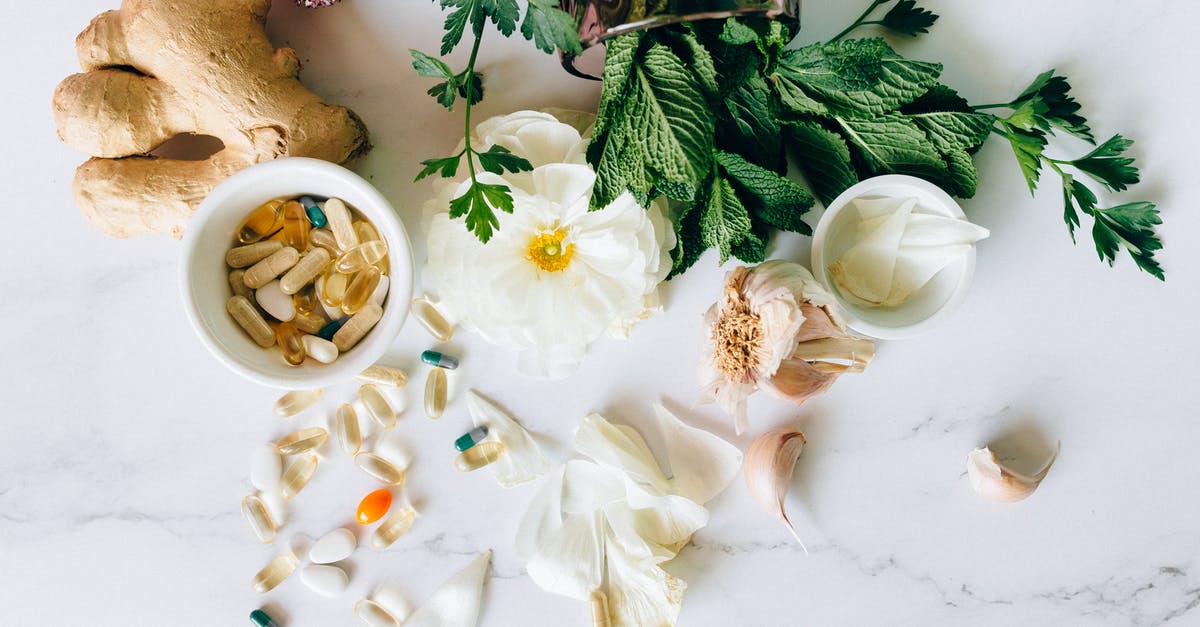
(373, 506)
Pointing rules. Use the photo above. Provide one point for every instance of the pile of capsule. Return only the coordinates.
(308, 277)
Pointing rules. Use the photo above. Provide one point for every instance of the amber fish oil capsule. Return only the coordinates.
(439, 360)
(384, 375)
(315, 216)
(360, 289)
(357, 327)
(290, 343)
(380, 468)
(255, 512)
(274, 573)
(392, 528)
(432, 320)
(295, 225)
(435, 393)
(297, 475)
(250, 254)
(261, 222)
(296, 401)
(252, 322)
(301, 441)
(471, 438)
(266, 270)
(349, 435)
(479, 456)
(377, 405)
(333, 287)
(361, 256)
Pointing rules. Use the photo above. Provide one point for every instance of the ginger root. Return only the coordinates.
(156, 69)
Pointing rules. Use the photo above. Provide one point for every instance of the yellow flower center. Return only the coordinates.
(547, 251)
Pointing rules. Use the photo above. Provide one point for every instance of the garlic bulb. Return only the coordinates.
(769, 465)
(775, 328)
(899, 248)
(996, 482)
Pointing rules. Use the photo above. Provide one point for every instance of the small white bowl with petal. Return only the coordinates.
(923, 310)
(204, 277)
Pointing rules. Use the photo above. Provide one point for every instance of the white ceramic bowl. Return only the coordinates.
(205, 278)
(925, 309)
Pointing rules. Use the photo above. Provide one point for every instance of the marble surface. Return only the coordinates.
(125, 447)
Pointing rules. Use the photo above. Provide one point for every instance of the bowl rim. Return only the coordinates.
(821, 233)
(400, 287)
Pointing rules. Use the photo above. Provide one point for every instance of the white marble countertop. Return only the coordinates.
(126, 447)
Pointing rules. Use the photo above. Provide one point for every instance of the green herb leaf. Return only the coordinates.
(461, 12)
(735, 33)
(770, 198)
(448, 166)
(749, 127)
(550, 27)
(445, 93)
(1074, 193)
(1048, 98)
(477, 204)
(964, 177)
(724, 221)
(1028, 146)
(892, 144)
(503, 13)
(907, 18)
(954, 131)
(824, 157)
(752, 249)
(1129, 226)
(939, 98)
(860, 77)
(476, 82)
(1106, 165)
(428, 66)
(689, 243)
(497, 159)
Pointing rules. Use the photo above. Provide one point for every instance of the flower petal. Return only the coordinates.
(702, 464)
(569, 560)
(621, 447)
(522, 459)
(456, 603)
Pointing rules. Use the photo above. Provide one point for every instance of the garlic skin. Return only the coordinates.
(776, 329)
(768, 471)
(996, 482)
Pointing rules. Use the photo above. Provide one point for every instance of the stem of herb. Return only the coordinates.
(860, 21)
(998, 105)
(468, 150)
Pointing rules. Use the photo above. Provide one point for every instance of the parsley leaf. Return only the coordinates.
(1027, 146)
(550, 27)
(907, 18)
(446, 166)
(1049, 103)
(1129, 226)
(497, 159)
(477, 203)
(1106, 165)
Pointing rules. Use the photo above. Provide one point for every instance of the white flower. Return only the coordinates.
(555, 277)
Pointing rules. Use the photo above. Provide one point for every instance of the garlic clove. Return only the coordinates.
(769, 466)
(818, 324)
(796, 381)
(996, 482)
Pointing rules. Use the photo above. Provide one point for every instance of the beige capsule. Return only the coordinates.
(261, 522)
(348, 432)
(252, 322)
(305, 271)
(435, 393)
(394, 526)
(357, 327)
(339, 222)
(377, 405)
(374, 615)
(250, 254)
(360, 289)
(297, 475)
(266, 270)
(238, 285)
(302, 441)
(432, 320)
(274, 573)
(384, 375)
(479, 456)
(310, 323)
(322, 238)
(296, 401)
(380, 468)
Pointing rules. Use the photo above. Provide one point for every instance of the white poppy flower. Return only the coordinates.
(555, 277)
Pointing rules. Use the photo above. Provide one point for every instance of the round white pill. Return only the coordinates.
(320, 349)
(328, 581)
(334, 546)
(266, 468)
(273, 301)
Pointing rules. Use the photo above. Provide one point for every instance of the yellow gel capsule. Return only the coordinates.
(261, 222)
(259, 518)
(380, 468)
(377, 405)
(392, 528)
(305, 301)
(598, 601)
(296, 401)
(322, 238)
(435, 393)
(432, 320)
(295, 225)
(297, 475)
(360, 289)
(246, 316)
(333, 287)
(289, 338)
(374, 615)
(301, 441)
(274, 573)
(479, 456)
(361, 256)
(384, 375)
(349, 435)
(365, 231)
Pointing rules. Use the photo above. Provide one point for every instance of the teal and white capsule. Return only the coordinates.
(439, 360)
(262, 619)
(314, 213)
(471, 438)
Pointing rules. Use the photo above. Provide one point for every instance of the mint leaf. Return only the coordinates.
(1106, 165)
(447, 165)
(964, 178)
(954, 131)
(497, 159)
(735, 33)
(770, 198)
(752, 249)
(689, 243)
(939, 98)
(891, 144)
(619, 56)
(861, 77)
(824, 157)
(724, 221)
(477, 204)
(907, 18)
(549, 27)
(1027, 146)
(749, 126)
(1129, 226)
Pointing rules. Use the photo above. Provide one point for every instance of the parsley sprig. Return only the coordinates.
(549, 28)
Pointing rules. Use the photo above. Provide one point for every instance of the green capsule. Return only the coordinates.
(262, 619)
(440, 360)
(471, 438)
(327, 332)
(314, 213)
